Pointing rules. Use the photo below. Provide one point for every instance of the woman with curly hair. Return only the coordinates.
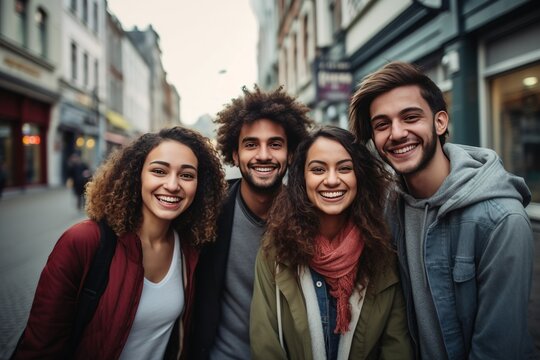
(159, 195)
(326, 283)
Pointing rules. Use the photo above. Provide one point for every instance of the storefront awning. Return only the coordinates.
(118, 120)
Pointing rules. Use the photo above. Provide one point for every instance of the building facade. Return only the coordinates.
(164, 108)
(80, 122)
(29, 60)
(72, 81)
(483, 54)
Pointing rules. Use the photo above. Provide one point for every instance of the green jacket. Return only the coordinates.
(381, 331)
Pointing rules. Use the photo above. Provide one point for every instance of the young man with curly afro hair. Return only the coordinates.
(258, 133)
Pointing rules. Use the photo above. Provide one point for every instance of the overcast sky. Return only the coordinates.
(209, 47)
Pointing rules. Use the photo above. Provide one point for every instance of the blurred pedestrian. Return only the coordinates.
(463, 237)
(326, 280)
(159, 194)
(79, 175)
(258, 132)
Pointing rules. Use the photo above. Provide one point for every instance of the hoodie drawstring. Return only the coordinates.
(422, 242)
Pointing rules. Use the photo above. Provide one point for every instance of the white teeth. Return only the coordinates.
(263, 169)
(332, 194)
(169, 199)
(404, 150)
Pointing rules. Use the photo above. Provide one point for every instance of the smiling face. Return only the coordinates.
(405, 132)
(262, 155)
(169, 182)
(331, 183)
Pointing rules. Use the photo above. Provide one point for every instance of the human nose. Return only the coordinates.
(398, 130)
(172, 183)
(263, 153)
(332, 178)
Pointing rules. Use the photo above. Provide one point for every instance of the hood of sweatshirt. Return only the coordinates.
(476, 174)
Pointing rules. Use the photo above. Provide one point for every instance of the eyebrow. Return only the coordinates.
(324, 163)
(164, 163)
(404, 111)
(253, 138)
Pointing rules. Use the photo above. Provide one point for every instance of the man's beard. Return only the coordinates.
(428, 149)
(263, 187)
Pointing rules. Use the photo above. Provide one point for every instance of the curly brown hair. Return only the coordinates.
(293, 221)
(389, 77)
(277, 106)
(114, 194)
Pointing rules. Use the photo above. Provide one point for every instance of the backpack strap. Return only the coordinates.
(94, 284)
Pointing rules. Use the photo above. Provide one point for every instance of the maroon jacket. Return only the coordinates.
(53, 311)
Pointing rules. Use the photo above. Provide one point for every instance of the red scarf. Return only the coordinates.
(337, 261)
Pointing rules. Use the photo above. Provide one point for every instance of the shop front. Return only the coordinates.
(511, 74)
(79, 134)
(24, 123)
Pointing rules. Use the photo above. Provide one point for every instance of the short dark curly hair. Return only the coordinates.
(254, 105)
(114, 194)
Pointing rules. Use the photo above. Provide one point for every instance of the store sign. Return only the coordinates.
(22, 67)
(334, 80)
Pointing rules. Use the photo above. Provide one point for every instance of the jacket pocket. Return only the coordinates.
(464, 269)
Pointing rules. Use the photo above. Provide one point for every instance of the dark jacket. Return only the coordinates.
(210, 276)
(49, 326)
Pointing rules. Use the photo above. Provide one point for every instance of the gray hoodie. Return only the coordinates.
(477, 177)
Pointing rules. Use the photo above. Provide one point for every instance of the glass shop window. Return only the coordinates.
(515, 109)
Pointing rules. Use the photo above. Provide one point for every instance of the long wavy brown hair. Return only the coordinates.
(114, 194)
(276, 105)
(293, 221)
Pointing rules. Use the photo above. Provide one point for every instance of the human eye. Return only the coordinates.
(188, 176)
(250, 145)
(158, 171)
(317, 170)
(411, 117)
(380, 125)
(345, 168)
(276, 145)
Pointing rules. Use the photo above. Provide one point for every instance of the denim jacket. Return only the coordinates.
(477, 257)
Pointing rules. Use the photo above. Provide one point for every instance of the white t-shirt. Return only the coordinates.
(160, 305)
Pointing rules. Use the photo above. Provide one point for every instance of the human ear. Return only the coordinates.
(235, 158)
(441, 122)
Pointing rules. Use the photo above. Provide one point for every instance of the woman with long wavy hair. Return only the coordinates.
(159, 195)
(326, 283)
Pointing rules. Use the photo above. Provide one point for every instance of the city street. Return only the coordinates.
(30, 224)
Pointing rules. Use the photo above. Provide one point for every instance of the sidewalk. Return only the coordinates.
(30, 224)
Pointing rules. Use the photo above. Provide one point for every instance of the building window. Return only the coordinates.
(95, 16)
(21, 21)
(85, 69)
(85, 11)
(515, 109)
(96, 74)
(73, 6)
(335, 10)
(41, 24)
(73, 61)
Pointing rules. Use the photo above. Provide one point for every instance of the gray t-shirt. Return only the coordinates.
(232, 340)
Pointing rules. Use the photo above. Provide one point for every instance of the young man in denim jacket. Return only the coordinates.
(463, 238)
